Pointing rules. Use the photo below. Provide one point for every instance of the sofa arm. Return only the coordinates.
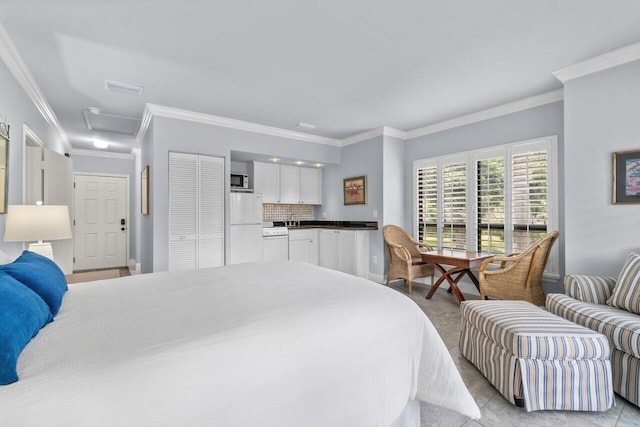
(591, 289)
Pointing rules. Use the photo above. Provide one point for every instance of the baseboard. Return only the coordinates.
(378, 278)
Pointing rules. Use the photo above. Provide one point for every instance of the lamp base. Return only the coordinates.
(43, 249)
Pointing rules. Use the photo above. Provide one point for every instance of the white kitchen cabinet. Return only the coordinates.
(345, 250)
(266, 181)
(287, 183)
(311, 186)
(303, 245)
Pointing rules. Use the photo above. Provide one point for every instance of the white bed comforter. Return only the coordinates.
(277, 344)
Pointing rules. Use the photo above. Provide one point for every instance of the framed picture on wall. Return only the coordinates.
(355, 190)
(626, 177)
(144, 190)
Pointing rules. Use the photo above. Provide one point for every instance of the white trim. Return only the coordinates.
(27, 133)
(136, 151)
(177, 113)
(19, 69)
(490, 113)
(602, 62)
(144, 123)
(381, 131)
(96, 153)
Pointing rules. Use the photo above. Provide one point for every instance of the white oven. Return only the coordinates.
(275, 244)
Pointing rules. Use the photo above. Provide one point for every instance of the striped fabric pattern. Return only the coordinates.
(529, 331)
(621, 327)
(626, 375)
(626, 294)
(592, 289)
(529, 353)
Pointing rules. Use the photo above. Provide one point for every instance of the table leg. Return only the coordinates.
(446, 275)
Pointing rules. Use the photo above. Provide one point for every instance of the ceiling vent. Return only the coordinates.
(305, 126)
(100, 121)
(123, 87)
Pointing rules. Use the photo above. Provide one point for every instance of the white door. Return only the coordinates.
(101, 218)
(196, 211)
(329, 249)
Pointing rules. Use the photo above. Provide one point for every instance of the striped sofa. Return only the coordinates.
(585, 303)
(536, 358)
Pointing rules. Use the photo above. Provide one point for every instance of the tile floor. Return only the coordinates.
(444, 312)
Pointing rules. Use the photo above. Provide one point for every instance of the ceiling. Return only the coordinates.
(346, 66)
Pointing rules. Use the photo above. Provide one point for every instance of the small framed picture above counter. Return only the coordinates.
(355, 190)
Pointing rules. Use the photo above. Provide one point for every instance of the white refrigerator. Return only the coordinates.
(246, 228)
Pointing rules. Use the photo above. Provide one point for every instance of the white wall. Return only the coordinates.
(362, 158)
(191, 137)
(602, 116)
(18, 109)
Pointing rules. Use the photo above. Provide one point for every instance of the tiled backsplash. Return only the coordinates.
(281, 212)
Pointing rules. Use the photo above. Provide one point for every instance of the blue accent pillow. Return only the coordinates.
(41, 275)
(22, 314)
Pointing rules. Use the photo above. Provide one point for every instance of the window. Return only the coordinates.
(498, 200)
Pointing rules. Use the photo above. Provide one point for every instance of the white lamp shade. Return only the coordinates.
(28, 223)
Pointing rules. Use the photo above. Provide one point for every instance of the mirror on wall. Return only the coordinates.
(4, 162)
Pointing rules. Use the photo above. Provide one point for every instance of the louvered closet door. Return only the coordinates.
(211, 212)
(196, 211)
(183, 211)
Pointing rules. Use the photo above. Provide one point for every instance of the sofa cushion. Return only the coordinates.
(626, 294)
(621, 327)
(593, 289)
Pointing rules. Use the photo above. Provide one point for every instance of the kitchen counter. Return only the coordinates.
(335, 225)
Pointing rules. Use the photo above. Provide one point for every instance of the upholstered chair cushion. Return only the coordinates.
(591, 289)
(626, 294)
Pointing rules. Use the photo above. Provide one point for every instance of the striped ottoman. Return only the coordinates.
(537, 358)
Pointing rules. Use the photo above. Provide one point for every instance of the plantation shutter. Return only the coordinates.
(454, 205)
(491, 205)
(529, 195)
(428, 205)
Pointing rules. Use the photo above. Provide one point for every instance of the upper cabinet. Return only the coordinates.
(287, 184)
(266, 180)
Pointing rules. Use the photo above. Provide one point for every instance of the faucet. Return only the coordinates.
(291, 223)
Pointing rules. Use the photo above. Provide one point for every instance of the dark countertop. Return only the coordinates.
(336, 225)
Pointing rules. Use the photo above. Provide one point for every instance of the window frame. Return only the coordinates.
(471, 157)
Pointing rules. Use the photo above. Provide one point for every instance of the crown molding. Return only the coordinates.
(602, 62)
(490, 113)
(136, 151)
(103, 154)
(18, 68)
(177, 113)
(381, 131)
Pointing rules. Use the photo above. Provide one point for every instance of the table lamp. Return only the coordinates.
(28, 223)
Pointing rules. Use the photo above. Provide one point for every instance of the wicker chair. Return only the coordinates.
(404, 257)
(520, 275)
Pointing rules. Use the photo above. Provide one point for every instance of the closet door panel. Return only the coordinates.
(183, 211)
(211, 212)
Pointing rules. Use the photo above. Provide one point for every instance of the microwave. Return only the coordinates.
(239, 180)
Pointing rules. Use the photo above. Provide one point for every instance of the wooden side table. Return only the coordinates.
(461, 263)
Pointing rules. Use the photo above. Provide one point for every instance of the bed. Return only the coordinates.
(269, 344)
